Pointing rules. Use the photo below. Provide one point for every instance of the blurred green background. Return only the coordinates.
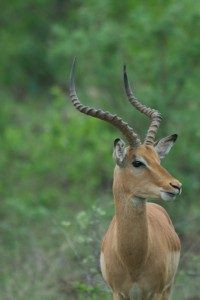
(56, 164)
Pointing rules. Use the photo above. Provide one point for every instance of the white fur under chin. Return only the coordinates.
(137, 202)
(166, 197)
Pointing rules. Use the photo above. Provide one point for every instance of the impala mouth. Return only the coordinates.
(171, 194)
(168, 196)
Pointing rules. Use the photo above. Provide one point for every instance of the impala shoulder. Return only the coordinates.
(159, 220)
(157, 212)
(109, 234)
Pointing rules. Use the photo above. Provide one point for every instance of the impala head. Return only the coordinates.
(139, 173)
(138, 170)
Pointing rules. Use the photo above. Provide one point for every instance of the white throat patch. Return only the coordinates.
(137, 202)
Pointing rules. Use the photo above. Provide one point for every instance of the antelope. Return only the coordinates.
(141, 250)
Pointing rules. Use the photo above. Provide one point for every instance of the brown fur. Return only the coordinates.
(140, 251)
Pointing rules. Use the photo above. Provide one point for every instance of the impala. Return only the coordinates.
(140, 251)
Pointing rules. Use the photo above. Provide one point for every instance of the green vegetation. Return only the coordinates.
(56, 164)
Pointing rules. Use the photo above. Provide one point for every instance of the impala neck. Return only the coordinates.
(132, 228)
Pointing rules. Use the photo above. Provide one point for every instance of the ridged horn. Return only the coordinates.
(151, 113)
(125, 129)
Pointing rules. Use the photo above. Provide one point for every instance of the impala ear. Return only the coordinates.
(119, 152)
(164, 145)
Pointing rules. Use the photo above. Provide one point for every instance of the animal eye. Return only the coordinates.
(138, 164)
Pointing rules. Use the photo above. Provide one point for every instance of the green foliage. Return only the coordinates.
(56, 164)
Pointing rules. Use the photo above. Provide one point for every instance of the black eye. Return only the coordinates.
(138, 164)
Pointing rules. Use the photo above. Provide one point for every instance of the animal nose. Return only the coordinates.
(178, 186)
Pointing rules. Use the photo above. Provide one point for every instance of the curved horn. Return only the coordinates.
(127, 131)
(151, 113)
